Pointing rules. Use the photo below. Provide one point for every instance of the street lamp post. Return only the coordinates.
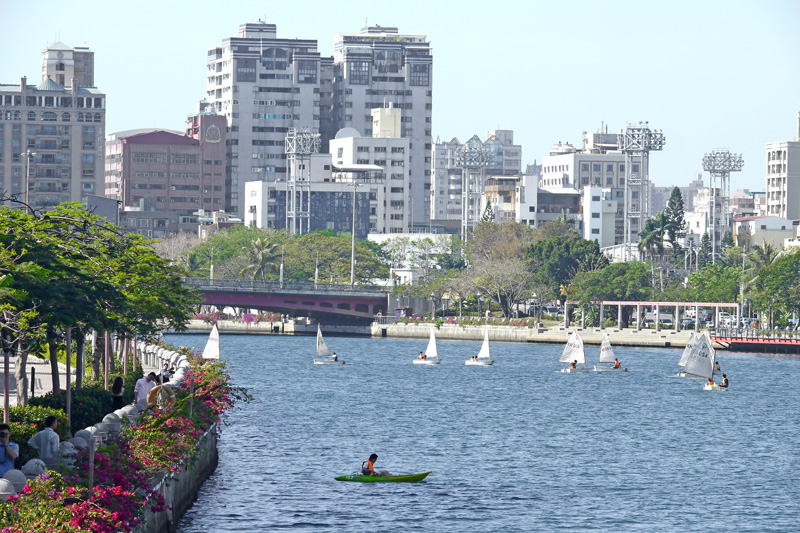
(28, 156)
(353, 238)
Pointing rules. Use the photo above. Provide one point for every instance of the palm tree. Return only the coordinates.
(261, 257)
(655, 232)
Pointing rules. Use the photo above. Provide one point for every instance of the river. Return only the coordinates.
(517, 446)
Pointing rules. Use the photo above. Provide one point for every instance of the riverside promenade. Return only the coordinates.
(556, 334)
(43, 381)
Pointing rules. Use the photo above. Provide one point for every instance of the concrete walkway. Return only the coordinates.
(43, 382)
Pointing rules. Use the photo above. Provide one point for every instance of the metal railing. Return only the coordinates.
(757, 334)
(276, 286)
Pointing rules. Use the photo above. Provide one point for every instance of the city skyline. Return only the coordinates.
(547, 73)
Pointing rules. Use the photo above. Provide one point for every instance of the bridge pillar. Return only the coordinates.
(658, 318)
(619, 317)
(638, 317)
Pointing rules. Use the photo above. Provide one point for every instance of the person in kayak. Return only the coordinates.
(724, 383)
(368, 467)
(617, 363)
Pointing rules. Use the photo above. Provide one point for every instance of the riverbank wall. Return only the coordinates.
(497, 333)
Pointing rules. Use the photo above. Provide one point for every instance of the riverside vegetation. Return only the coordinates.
(63, 501)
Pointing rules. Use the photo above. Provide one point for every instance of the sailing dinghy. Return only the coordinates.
(605, 362)
(700, 363)
(685, 355)
(484, 358)
(431, 355)
(574, 352)
(211, 351)
(324, 355)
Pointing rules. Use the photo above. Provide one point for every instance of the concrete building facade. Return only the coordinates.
(380, 65)
(51, 134)
(263, 85)
(783, 178)
(168, 171)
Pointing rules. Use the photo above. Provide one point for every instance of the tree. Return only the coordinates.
(704, 254)
(506, 281)
(618, 281)
(492, 241)
(555, 261)
(778, 287)
(488, 213)
(655, 231)
(726, 243)
(714, 283)
(262, 258)
(675, 213)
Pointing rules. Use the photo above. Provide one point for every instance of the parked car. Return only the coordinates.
(687, 323)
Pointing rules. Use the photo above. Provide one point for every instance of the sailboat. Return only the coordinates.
(700, 363)
(324, 354)
(211, 351)
(686, 353)
(431, 355)
(484, 358)
(574, 352)
(607, 356)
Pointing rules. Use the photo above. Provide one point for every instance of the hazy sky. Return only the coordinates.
(708, 73)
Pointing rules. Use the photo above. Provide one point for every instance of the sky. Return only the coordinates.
(709, 74)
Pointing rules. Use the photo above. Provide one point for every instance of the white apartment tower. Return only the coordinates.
(380, 65)
(783, 177)
(265, 85)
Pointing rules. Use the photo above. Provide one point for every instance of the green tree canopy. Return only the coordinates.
(555, 261)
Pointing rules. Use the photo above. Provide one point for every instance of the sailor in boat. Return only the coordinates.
(334, 357)
(716, 367)
(368, 467)
(422, 356)
(617, 364)
(710, 382)
(574, 364)
(724, 384)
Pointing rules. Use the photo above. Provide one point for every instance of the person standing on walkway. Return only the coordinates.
(117, 393)
(143, 387)
(8, 450)
(47, 440)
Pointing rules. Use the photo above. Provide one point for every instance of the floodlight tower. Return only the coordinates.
(636, 142)
(299, 147)
(719, 164)
(472, 157)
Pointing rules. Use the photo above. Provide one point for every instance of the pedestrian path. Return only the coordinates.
(42, 383)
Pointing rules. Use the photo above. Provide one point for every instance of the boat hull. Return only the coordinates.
(327, 362)
(427, 361)
(609, 369)
(479, 362)
(408, 478)
(575, 370)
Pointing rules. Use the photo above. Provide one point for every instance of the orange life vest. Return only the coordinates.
(572, 365)
(369, 466)
(711, 382)
(616, 364)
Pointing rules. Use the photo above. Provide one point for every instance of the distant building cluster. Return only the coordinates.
(286, 138)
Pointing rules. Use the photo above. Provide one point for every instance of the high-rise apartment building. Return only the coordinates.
(783, 177)
(496, 156)
(381, 65)
(264, 85)
(51, 134)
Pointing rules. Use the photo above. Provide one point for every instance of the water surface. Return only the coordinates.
(513, 447)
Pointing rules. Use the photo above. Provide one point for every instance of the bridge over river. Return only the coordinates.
(343, 304)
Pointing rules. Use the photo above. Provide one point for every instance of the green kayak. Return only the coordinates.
(408, 478)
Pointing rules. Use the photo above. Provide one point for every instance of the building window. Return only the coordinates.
(358, 72)
(595, 215)
(420, 75)
(595, 231)
(65, 117)
(245, 70)
(306, 71)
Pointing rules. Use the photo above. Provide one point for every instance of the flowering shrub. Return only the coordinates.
(122, 465)
(250, 318)
(211, 318)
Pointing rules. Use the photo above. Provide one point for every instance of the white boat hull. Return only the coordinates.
(427, 361)
(689, 376)
(713, 387)
(479, 362)
(327, 362)
(575, 370)
(609, 369)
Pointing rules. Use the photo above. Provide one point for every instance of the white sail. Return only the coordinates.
(211, 351)
(688, 350)
(701, 359)
(606, 352)
(322, 348)
(573, 351)
(484, 353)
(430, 351)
